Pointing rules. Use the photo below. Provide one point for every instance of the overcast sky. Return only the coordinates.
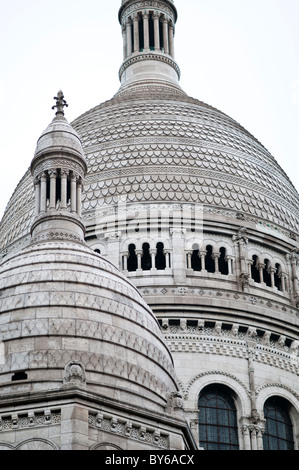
(240, 56)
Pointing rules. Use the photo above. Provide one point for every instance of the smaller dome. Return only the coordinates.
(59, 137)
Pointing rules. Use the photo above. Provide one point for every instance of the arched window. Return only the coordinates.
(160, 257)
(218, 429)
(277, 277)
(279, 429)
(209, 262)
(196, 261)
(267, 276)
(146, 260)
(254, 269)
(97, 251)
(223, 265)
(132, 259)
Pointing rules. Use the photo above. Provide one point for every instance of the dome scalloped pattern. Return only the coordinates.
(162, 148)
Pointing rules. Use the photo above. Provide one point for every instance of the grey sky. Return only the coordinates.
(239, 56)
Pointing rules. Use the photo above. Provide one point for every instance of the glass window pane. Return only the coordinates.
(279, 430)
(218, 428)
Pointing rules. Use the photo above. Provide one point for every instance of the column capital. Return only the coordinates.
(156, 15)
(64, 173)
(145, 14)
(52, 173)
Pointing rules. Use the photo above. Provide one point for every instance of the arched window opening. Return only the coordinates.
(97, 251)
(218, 428)
(196, 261)
(161, 35)
(160, 257)
(151, 33)
(266, 273)
(209, 261)
(254, 269)
(277, 277)
(146, 260)
(141, 35)
(223, 264)
(279, 429)
(132, 259)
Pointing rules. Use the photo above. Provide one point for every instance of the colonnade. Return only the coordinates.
(148, 31)
(58, 189)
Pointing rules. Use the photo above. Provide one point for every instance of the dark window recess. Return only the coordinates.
(196, 261)
(267, 276)
(146, 260)
(279, 429)
(19, 376)
(218, 425)
(160, 257)
(132, 259)
(254, 269)
(210, 263)
(97, 251)
(223, 265)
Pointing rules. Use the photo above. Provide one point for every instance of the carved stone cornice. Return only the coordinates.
(149, 56)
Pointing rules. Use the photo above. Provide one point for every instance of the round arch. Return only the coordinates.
(201, 381)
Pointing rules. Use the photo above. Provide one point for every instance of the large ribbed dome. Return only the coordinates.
(166, 148)
(157, 148)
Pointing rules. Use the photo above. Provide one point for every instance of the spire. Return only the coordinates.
(58, 169)
(148, 29)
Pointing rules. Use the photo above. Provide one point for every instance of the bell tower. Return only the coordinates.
(148, 29)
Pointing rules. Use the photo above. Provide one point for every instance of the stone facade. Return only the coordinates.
(198, 215)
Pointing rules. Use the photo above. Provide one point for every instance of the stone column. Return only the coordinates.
(136, 32)
(167, 258)
(43, 193)
(37, 196)
(260, 444)
(79, 198)
(246, 437)
(189, 264)
(64, 175)
(272, 272)
(171, 39)
(165, 35)
(156, 18)
(124, 32)
(253, 438)
(145, 16)
(153, 256)
(216, 260)
(293, 259)
(53, 175)
(129, 37)
(125, 258)
(203, 255)
(73, 193)
(261, 267)
(139, 254)
(229, 264)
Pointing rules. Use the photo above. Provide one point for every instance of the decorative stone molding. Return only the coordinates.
(29, 419)
(74, 374)
(128, 429)
(149, 56)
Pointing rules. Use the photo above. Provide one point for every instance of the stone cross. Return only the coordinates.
(60, 103)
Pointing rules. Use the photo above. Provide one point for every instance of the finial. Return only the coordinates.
(60, 103)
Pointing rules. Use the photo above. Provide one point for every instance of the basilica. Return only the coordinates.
(149, 263)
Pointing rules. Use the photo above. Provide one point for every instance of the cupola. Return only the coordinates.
(148, 29)
(58, 169)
